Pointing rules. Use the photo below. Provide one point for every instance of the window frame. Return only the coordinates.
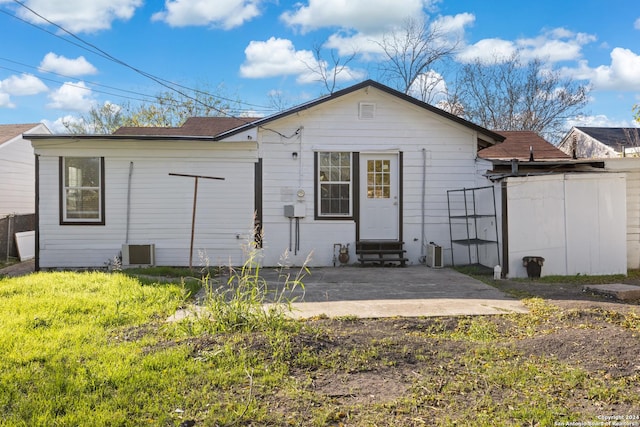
(318, 182)
(64, 220)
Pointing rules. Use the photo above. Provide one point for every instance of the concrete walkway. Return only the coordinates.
(374, 292)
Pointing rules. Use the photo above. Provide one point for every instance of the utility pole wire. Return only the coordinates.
(159, 80)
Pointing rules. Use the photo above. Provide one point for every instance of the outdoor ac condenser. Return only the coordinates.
(139, 254)
(434, 256)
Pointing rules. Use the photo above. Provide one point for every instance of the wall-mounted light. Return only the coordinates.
(294, 155)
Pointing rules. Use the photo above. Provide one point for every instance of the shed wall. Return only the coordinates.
(577, 223)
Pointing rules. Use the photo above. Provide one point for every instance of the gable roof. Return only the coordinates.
(613, 137)
(193, 126)
(367, 83)
(519, 145)
(9, 132)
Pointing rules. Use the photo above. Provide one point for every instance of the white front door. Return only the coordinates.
(379, 202)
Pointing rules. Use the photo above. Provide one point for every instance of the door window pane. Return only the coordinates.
(378, 179)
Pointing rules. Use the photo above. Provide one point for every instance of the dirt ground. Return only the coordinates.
(586, 331)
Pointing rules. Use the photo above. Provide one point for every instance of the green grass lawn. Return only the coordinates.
(94, 349)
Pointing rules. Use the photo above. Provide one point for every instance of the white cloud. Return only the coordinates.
(22, 85)
(621, 74)
(555, 45)
(5, 101)
(69, 67)
(599, 120)
(71, 96)
(224, 13)
(487, 50)
(362, 15)
(365, 45)
(636, 24)
(57, 126)
(429, 87)
(278, 57)
(456, 24)
(80, 15)
(275, 57)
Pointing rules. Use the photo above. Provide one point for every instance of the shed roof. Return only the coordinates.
(10, 131)
(519, 145)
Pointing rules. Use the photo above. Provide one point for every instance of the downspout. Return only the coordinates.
(37, 204)
(126, 239)
(505, 229)
(422, 225)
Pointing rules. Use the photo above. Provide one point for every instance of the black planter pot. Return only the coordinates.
(533, 265)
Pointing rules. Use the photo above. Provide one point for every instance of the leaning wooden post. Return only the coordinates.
(193, 214)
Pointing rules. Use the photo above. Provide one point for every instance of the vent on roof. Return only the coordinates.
(367, 110)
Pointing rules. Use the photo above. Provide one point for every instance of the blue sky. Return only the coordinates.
(252, 49)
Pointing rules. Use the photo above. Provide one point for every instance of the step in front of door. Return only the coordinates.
(382, 252)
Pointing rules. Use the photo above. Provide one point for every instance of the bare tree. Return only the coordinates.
(328, 72)
(512, 95)
(167, 109)
(410, 52)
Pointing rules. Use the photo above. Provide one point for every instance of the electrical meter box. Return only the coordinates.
(298, 210)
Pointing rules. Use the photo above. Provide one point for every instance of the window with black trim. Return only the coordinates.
(334, 175)
(82, 190)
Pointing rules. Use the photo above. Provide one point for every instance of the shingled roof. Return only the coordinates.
(519, 145)
(613, 137)
(8, 132)
(194, 126)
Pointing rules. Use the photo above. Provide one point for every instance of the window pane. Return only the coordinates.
(82, 172)
(334, 175)
(82, 189)
(83, 204)
(378, 179)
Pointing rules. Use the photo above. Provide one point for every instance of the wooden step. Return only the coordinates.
(381, 252)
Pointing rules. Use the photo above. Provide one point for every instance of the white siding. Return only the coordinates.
(161, 206)
(631, 166)
(576, 222)
(441, 149)
(17, 177)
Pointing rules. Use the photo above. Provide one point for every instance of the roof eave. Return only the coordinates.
(486, 132)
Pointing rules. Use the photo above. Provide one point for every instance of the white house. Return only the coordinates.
(17, 169)
(601, 142)
(365, 164)
(366, 174)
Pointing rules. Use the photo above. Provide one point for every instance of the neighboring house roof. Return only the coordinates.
(193, 126)
(9, 132)
(520, 145)
(615, 138)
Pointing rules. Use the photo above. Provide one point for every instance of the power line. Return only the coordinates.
(151, 99)
(159, 80)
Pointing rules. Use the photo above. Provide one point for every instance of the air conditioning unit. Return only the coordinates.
(434, 256)
(139, 254)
